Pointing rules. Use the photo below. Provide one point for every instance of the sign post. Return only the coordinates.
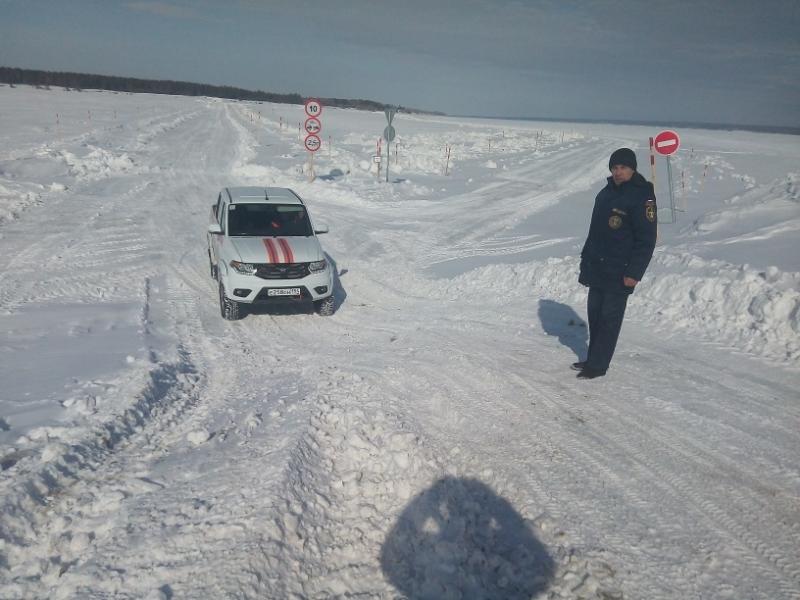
(667, 143)
(313, 126)
(389, 134)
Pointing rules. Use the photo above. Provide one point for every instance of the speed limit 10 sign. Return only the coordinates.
(313, 107)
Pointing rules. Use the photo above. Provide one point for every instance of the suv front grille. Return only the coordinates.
(282, 271)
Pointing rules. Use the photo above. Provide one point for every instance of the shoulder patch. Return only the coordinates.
(615, 222)
(650, 210)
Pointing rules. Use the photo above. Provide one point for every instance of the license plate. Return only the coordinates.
(284, 292)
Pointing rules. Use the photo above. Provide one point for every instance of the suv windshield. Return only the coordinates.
(268, 220)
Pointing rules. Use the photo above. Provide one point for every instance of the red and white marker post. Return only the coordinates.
(652, 162)
(667, 143)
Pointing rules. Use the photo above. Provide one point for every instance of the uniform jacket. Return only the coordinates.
(622, 235)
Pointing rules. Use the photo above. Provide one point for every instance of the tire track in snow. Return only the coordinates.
(759, 556)
(471, 403)
(682, 448)
(350, 477)
(200, 570)
(74, 482)
(43, 516)
(66, 242)
(597, 460)
(426, 382)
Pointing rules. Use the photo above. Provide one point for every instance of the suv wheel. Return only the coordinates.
(230, 309)
(325, 306)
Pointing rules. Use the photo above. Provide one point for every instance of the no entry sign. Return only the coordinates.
(667, 142)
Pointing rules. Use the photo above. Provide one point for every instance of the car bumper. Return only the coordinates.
(251, 289)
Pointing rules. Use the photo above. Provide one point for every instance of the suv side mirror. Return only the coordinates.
(321, 228)
(214, 228)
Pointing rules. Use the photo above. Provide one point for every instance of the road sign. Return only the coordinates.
(313, 125)
(312, 142)
(667, 142)
(313, 107)
(390, 112)
(389, 133)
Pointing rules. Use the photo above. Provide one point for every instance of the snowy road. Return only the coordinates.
(426, 441)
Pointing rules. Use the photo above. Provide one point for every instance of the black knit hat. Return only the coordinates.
(623, 156)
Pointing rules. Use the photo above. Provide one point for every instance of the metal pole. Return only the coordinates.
(671, 191)
(387, 160)
(652, 164)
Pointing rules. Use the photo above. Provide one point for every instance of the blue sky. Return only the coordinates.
(722, 61)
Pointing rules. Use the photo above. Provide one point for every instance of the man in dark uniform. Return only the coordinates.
(622, 236)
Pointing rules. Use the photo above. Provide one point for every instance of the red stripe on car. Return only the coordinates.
(270, 246)
(287, 250)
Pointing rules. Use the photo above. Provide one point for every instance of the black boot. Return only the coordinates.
(590, 373)
(578, 366)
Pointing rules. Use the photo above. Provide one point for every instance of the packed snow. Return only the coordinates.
(428, 440)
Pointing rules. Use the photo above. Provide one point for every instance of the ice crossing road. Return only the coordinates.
(428, 439)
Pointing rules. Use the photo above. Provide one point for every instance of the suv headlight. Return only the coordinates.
(243, 268)
(317, 266)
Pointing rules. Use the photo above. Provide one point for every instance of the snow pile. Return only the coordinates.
(754, 311)
(748, 309)
(244, 170)
(351, 509)
(97, 163)
(14, 201)
(351, 473)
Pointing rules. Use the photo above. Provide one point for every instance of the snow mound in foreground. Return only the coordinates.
(367, 509)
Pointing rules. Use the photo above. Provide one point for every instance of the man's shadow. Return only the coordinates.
(458, 539)
(563, 322)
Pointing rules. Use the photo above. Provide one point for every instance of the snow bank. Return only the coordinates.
(49, 460)
(750, 310)
(753, 311)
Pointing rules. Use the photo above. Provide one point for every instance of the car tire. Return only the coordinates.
(325, 306)
(229, 309)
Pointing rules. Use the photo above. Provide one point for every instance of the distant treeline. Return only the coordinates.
(80, 81)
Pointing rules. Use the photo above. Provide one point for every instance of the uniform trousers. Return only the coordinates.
(606, 309)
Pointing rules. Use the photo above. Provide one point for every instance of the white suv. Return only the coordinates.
(262, 249)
